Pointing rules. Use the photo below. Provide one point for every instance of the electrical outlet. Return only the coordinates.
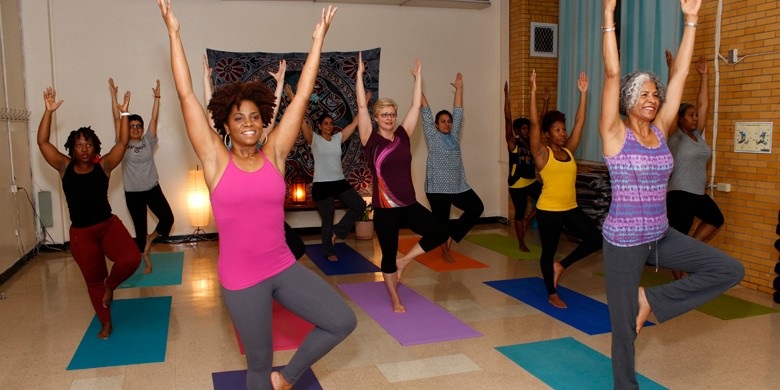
(723, 187)
(14, 188)
(733, 57)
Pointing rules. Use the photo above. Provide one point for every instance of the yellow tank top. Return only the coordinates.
(558, 184)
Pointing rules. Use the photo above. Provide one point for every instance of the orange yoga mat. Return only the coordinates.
(434, 259)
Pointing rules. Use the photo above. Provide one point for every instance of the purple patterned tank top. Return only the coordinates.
(639, 176)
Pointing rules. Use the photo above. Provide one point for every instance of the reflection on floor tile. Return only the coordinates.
(427, 368)
(104, 383)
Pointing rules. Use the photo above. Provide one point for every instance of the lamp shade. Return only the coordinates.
(198, 204)
(298, 190)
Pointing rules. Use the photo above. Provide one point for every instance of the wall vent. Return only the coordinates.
(544, 40)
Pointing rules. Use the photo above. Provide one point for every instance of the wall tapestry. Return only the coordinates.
(334, 93)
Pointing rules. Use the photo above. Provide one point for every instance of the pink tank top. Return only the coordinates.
(249, 213)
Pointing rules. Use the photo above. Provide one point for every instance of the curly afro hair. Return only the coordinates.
(231, 95)
(518, 123)
(631, 86)
(85, 132)
(551, 117)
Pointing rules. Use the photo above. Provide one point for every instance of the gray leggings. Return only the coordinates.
(710, 272)
(302, 292)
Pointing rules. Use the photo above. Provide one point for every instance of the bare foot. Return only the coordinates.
(105, 331)
(278, 382)
(333, 239)
(398, 307)
(149, 239)
(557, 272)
(644, 310)
(148, 261)
(522, 247)
(678, 274)
(108, 296)
(401, 264)
(446, 254)
(556, 301)
(333, 258)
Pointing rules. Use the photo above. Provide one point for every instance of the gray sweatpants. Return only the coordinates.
(302, 292)
(710, 272)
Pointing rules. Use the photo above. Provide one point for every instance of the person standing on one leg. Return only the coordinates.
(140, 178)
(636, 230)
(557, 206)
(445, 177)
(389, 156)
(95, 233)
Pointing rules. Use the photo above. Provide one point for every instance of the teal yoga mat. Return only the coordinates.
(140, 335)
(567, 364)
(166, 271)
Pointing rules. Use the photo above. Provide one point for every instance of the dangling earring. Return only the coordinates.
(227, 141)
(265, 139)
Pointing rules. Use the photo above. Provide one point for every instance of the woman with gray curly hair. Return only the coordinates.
(636, 230)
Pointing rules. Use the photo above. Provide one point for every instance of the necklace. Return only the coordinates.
(251, 159)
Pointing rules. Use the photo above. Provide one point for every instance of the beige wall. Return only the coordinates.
(93, 40)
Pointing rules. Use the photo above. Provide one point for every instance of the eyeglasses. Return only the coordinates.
(136, 126)
(386, 115)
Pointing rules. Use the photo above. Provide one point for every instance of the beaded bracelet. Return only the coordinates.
(691, 24)
(608, 29)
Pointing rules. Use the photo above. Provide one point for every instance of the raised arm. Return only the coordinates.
(279, 77)
(413, 116)
(509, 133)
(538, 150)
(545, 100)
(347, 131)
(53, 157)
(610, 125)
(364, 118)
(573, 142)
(283, 138)
(458, 84)
(152, 129)
(111, 160)
(208, 89)
(306, 126)
(669, 61)
(206, 143)
(679, 70)
(113, 89)
(703, 98)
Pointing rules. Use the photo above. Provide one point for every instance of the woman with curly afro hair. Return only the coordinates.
(247, 195)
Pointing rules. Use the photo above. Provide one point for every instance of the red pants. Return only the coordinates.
(91, 245)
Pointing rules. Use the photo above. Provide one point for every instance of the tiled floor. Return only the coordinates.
(46, 312)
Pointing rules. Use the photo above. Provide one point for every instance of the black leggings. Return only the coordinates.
(388, 221)
(551, 224)
(137, 202)
(468, 201)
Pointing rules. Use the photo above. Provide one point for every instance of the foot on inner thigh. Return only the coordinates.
(644, 310)
(105, 331)
(556, 301)
(557, 272)
(278, 382)
(333, 238)
(148, 261)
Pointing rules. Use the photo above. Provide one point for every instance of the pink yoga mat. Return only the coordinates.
(424, 321)
(289, 330)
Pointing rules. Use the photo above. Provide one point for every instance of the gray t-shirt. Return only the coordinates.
(138, 169)
(690, 162)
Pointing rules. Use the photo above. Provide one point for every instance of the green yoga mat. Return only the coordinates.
(504, 245)
(725, 307)
(567, 364)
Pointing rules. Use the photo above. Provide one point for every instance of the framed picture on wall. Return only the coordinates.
(753, 137)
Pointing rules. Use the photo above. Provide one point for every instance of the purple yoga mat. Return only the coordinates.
(424, 321)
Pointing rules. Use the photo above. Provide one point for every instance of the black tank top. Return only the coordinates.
(521, 164)
(87, 196)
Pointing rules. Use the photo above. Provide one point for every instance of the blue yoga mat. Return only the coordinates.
(166, 271)
(584, 313)
(236, 380)
(140, 335)
(567, 364)
(350, 262)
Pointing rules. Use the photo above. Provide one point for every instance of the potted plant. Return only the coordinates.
(364, 228)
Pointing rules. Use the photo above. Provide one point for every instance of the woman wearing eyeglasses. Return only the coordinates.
(389, 156)
(140, 178)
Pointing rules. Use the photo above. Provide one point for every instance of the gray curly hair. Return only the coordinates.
(631, 85)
